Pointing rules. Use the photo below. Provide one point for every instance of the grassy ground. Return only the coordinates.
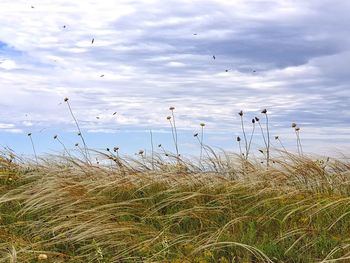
(225, 210)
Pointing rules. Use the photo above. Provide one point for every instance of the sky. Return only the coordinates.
(288, 56)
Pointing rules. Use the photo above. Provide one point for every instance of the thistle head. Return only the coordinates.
(107, 149)
(66, 99)
(294, 125)
(257, 119)
(264, 111)
(195, 135)
(253, 121)
(240, 113)
(141, 152)
(76, 145)
(297, 129)
(276, 137)
(202, 124)
(29, 134)
(55, 137)
(168, 118)
(115, 149)
(238, 139)
(159, 145)
(172, 108)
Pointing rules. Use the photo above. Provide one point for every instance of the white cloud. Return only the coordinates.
(154, 54)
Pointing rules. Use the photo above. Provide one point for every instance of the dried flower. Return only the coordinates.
(238, 139)
(276, 137)
(168, 118)
(202, 124)
(264, 111)
(55, 137)
(77, 144)
(253, 121)
(141, 152)
(240, 113)
(42, 257)
(297, 129)
(159, 145)
(256, 118)
(115, 149)
(195, 135)
(29, 134)
(172, 108)
(79, 133)
(107, 149)
(261, 151)
(294, 125)
(66, 99)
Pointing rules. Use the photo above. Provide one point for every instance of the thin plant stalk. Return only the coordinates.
(244, 134)
(201, 142)
(268, 141)
(35, 155)
(175, 132)
(251, 138)
(79, 130)
(152, 154)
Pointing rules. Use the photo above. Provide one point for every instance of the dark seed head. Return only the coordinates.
(66, 99)
(240, 113)
(264, 111)
(294, 125)
(238, 139)
(256, 118)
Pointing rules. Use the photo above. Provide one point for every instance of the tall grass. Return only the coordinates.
(70, 210)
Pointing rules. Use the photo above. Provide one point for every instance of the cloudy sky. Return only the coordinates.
(289, 56)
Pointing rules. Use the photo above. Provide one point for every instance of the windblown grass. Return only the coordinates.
(229, 209)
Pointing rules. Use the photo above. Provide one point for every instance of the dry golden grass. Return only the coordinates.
(227, 210)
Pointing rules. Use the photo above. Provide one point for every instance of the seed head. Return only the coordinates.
(141, 152)
(294, 125)
(29, 134)
(238, 139)
(168, 118)
(55, 137)
(42, 257)
(276, 137)
(159, 145)
(115, 149)
(264, 111)
(256, 119)
(202, 124)
(240, 113)
(79, 133)
(261, 151)
(253, 121)
(77, 144)
(297, 129)
(66, 99)
(195, 135)
(107, 149)
(172, 108)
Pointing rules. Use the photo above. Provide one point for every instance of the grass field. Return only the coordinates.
(164, 209)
